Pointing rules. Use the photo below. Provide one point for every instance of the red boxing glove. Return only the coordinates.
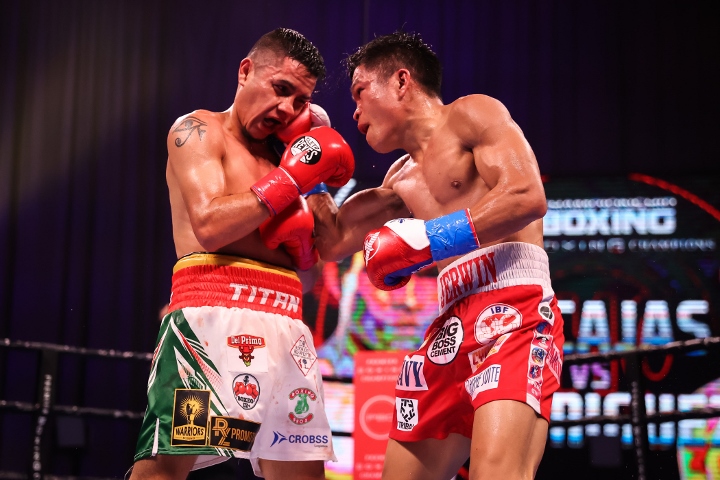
(321, 155)
(293, 229)
(311, 116)
(396, 251)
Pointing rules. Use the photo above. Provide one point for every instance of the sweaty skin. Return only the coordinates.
(215, 157)
(467, 154)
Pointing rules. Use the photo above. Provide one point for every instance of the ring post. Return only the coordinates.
(638, 415)
(47, 373)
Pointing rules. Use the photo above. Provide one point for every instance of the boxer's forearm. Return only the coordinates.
(340, 232)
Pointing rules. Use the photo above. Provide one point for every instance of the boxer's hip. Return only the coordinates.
(211, 279)
(492, 268)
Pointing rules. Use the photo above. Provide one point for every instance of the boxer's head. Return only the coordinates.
(388, 74)
(275, 81)
(400, 50)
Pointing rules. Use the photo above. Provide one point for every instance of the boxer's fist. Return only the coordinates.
(293, 229)
(396, 251)
(321, 155)
(311, 116)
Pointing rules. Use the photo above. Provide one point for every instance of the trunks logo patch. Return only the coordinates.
(407, 413)
(301, 409)
(546, 312)
(554, 361)
(190, 418)
(319, 440)
(246, 390)
(232, 433)
(303, 355)
(446, 343)
(495, 320)
(411, 376)
(477, 357)
(246, 345)
(247, 354)
(485, 380)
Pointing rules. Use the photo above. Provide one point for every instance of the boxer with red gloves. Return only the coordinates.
(243, 237)
(320, 155)
(404, 246)
(293, 230)
(467, 197)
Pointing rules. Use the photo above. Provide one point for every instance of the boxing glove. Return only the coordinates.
(404, 246)
(293, 229)
(310, 116)
(321, 155)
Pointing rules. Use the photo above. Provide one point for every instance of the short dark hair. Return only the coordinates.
(289, 43)
(401, 49)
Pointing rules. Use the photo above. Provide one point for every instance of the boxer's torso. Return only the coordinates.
(445, 179)
(242, 167)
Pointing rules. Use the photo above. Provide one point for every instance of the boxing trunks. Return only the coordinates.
(499, 336)
(234, 372)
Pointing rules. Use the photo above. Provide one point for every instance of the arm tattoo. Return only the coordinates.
(190, 124)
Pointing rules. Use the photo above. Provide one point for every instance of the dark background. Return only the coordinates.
(88, 90)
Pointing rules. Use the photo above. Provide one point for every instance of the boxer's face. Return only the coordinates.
(273, 92)
(377, 109)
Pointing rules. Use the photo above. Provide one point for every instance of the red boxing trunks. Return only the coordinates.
(499, 336)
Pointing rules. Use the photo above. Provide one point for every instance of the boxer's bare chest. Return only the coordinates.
(244, 166)
(443, 180)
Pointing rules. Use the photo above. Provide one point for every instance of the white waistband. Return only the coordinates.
(499, 266)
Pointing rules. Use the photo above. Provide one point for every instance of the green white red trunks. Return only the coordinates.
(234, 372)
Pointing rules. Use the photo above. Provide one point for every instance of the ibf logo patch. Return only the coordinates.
(411, 376)
(300, 399)
(246, 345)
(303, 355)
(485, 380)
(246, 390)
(407, 413)
(444, 347)
(190, 418)
(310, 146)
(232, 433)
(495, 320)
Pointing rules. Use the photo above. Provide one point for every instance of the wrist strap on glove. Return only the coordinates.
(451, 235)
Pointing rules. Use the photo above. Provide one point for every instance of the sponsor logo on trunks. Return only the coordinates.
(466, 277)
(411, 374)
(444, 347)
(485, 380)
(232, 433)
(303, 355)
(541, 336)
(495, 320)
(534, 388)
(264, 296)
(371, 246)
(535, 371)
(318, 440)
(246, 345)
(246, 390)
(554, 361)
(546, 312)
(310, 146)
(190, 418)
(407, 413)
(301, 413)
(477, 357)
(538, 355)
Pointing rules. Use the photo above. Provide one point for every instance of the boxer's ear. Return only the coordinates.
(246, 66)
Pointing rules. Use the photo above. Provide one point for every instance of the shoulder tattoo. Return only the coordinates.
(189, 125)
